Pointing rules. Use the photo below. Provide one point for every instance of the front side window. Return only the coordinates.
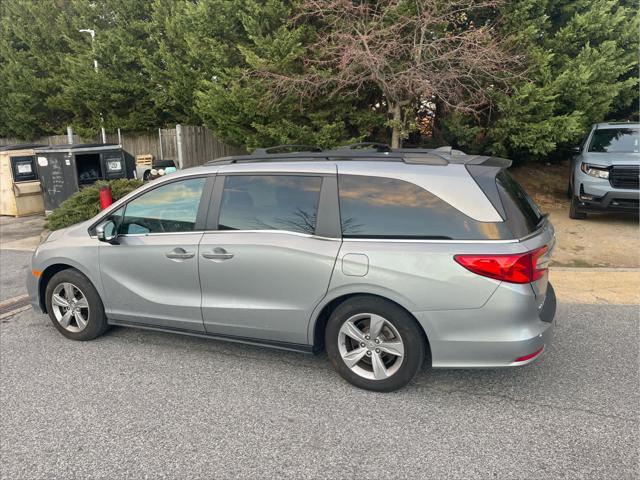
(377, 207)
(615, 140)
(270, 202)
(169, 208)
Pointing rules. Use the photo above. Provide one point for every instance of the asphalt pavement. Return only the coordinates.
(138, 404)
(14, 265)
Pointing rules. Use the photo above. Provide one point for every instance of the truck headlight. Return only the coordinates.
(597, 171)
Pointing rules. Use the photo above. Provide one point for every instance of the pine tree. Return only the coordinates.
(32, 47)
(583, 69)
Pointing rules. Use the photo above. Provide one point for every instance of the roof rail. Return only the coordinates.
(287, 148)
(379, 147)
(416, 156)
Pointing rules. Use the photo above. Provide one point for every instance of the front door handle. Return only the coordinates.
(179, 254)
(218, 253)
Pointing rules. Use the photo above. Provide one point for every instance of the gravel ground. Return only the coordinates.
(137, 404)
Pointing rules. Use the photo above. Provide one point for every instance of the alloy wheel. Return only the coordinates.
(70, 307)
(370, 346)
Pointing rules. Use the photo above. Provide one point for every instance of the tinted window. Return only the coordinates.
(615, 140)
(166, 209)
(522, 213)
(376, 207)
(270, 202)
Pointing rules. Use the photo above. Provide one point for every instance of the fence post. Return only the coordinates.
(160, 144)
(70, 134)
(104, 135)
(119, 137)
(179, 145)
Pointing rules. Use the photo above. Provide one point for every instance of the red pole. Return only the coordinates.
(105, 197)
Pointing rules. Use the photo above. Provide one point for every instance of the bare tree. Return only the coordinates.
(414, 51)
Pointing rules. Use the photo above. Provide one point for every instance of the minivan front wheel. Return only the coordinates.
(374, 344)
(74, 306)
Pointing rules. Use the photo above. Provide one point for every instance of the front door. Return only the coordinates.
(151, 276)
(264, 269)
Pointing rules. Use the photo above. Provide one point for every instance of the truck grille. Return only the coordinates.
(624, 177)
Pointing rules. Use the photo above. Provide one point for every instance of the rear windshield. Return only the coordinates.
(523, 215)
(615, 140)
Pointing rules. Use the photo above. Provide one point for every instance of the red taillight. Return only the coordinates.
(516, 268)
(530, 356)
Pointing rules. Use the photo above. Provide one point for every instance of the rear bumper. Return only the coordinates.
(511, 325)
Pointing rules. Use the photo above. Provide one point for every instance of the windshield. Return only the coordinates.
(616, 140)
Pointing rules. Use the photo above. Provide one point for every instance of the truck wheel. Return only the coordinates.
(574, 211)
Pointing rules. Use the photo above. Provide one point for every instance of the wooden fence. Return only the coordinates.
(188, 145)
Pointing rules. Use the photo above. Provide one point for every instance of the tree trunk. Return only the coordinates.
(396, 111)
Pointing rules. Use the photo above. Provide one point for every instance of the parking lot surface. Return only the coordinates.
(138, 404)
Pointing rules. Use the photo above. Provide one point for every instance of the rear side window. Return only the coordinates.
(377, 207)
(523, 215)
(270, 202)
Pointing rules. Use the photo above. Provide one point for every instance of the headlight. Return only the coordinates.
(597, 171)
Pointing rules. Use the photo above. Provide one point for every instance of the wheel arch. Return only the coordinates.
(319, 323)
(47, 275)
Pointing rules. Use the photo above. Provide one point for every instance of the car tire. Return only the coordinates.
(373, 363)
(569, 191)
(74, 306)
(574, 211)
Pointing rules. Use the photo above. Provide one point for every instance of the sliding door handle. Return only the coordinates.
(218, 253)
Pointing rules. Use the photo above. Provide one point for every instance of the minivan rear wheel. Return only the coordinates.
(374, 344)
(74, 306)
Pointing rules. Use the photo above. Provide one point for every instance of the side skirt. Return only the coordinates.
(292, 347)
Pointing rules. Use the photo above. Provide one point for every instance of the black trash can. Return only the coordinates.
(65, 169)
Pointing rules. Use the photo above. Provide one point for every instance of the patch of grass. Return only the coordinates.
(577, 263)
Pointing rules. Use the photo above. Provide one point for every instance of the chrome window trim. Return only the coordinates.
(154, 234)
(424, 240)
(285, 232)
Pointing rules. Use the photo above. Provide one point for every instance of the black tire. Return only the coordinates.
(574, 211)
(415, 348)
(569, 191)
(96, 321)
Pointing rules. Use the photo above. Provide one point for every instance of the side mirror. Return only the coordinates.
(574, 149)
(106, 231)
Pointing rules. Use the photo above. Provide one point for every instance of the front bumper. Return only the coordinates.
(614, 201)
(511, 325)
(33, 291)
(597, 194)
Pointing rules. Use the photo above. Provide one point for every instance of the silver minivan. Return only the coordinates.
(388, 260)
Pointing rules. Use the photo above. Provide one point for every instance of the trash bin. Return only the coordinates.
(65, 169)
(20, 190)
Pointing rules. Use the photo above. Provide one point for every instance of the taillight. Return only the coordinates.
(513, 268)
